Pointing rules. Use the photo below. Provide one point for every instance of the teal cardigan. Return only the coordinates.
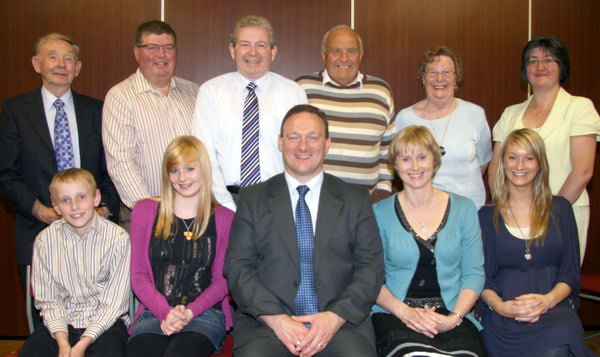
(458, 252)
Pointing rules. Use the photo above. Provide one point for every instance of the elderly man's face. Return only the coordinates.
(342, 56)
(58, 65)
(303, 146)
(156, 63)
(252, 52)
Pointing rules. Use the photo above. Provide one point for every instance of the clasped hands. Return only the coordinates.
(176, 320)
(427, 321)
(301, 340)
(525, 308)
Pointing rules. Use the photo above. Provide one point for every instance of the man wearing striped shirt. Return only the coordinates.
(80, 275)
(142, 114)
(360, 110)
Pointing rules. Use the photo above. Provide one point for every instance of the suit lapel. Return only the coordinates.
(83, 118)
(37, 116)
(329, 209)
(280, 205)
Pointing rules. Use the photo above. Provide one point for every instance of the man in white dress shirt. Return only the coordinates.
(219, 114)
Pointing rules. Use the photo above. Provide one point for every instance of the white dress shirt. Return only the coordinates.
(49, 99)
(311, 198)
(218, 123)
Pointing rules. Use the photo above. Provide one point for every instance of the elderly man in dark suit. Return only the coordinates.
(300, 293)
(43, 132)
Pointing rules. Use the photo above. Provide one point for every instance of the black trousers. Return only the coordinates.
(111, 343)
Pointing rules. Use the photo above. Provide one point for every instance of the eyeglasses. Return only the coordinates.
(533, 62)
(155, 48)
(444, 74)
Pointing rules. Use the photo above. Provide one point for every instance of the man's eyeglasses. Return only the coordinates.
(155, 48)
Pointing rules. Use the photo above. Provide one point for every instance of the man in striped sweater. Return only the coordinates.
(360, 110)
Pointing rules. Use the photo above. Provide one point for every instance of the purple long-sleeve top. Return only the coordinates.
(142, 278)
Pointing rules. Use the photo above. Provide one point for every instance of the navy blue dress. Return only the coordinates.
(509, 274)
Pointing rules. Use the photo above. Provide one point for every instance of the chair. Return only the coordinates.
(29, 300)
(590, 287)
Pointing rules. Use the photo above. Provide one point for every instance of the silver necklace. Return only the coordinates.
(442, 148)
(188, 229)
(527, 254)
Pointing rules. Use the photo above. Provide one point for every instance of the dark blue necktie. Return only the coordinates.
(306, 297)
(250, 163)
(63, 146)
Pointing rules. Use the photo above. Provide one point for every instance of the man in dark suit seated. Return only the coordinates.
(45, 131)
(300, 293)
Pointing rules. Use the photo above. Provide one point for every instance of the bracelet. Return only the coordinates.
(460, 317)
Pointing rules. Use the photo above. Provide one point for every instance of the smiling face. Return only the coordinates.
(439, 79)
(415, 168)
(186, 179)
(520, 166)
(76, 202)
(342, 56)
(303, 146)
(58, 65)
(157, 65)
(542, 75)
(252, 52)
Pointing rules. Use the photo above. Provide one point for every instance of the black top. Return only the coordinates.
(183, 268)
(424, 283)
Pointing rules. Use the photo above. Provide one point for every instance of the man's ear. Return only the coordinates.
(36, 64)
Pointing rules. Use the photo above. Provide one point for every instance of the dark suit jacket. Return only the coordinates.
(27, 161)
(262, 260)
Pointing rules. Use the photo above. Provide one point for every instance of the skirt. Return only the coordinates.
(394, 339)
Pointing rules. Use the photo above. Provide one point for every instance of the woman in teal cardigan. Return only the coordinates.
(433, 259)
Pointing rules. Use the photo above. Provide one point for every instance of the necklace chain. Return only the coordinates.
(527, 254)
(188, 229)
(433, 131)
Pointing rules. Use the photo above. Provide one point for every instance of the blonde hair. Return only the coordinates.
(184, 150)
(542, 196)
(415, 138)
(71, 175)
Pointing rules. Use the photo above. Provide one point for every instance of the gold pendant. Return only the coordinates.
(187, 235)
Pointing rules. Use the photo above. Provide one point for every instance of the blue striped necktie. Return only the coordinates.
(63, 146)
(250, 163)
(306, 297)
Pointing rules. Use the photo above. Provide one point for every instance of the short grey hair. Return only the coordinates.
(253, 21)
(54, 36)
(339, 27)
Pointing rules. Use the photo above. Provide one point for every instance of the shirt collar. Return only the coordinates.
(314, 184)
(262, 84)
(48, 98)
(143, 85)
(357, 82)
(96, 227)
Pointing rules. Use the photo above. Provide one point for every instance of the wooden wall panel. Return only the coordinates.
(576, 24)
(204, 27)
(105, 32)
(487, 34)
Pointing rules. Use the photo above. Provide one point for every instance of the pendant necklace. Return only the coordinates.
(442, 148)
(527, 254)
(188, 229)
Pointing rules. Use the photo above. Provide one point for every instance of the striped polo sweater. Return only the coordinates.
(361, 126)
